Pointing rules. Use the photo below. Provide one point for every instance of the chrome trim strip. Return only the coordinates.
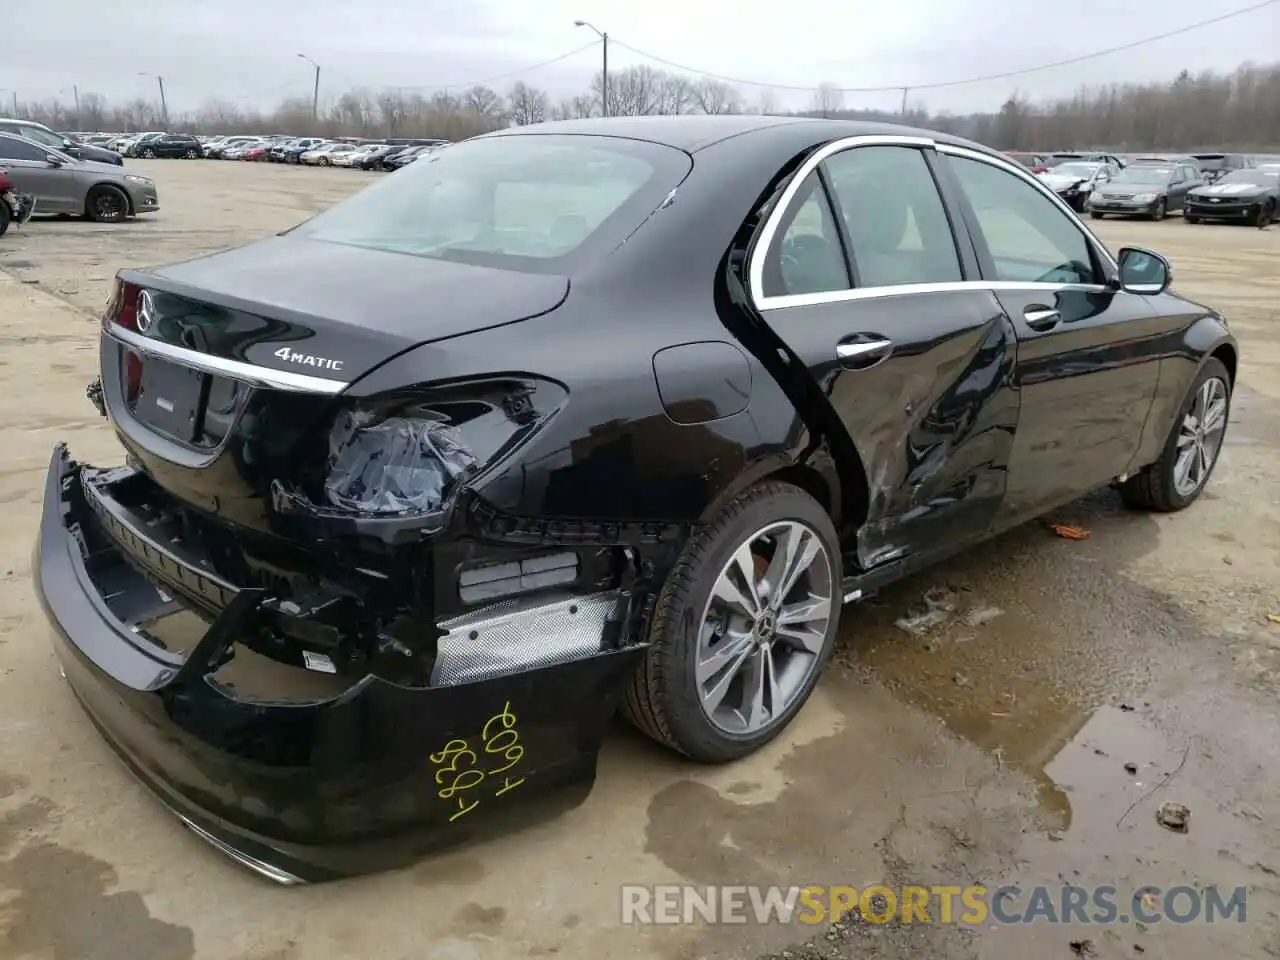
(262, 869)
(915, 289)
(755, 269)
(250, 373)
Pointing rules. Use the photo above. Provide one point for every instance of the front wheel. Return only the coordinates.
(1159, 210)
(149, 154)
(742, 628)
(1266, 213)
(191, 154)
(1193, 219)
(106, 204)
(1178, 478)
(1095, 215)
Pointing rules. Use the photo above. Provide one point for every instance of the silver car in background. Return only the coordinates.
(62, 184)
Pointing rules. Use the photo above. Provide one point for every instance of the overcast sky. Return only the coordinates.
(245, 51)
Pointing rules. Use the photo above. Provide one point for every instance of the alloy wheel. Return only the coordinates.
(109, 206)
(764, 627)
(1200, 437)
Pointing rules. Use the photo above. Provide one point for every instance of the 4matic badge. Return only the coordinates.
(307, 359)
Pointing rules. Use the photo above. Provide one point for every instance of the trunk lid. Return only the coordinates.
(217, 373)
(340, 310)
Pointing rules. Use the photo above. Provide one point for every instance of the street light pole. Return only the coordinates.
(164, 104)
(315, 93)
(604, 66)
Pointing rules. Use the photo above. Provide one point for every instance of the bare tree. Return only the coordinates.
(526, 104)
(1190, 111)
(827, 100)
(714, 96)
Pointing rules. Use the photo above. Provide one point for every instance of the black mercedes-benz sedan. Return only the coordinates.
(570, 418)
(1243, 196)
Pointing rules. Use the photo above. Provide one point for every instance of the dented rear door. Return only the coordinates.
(915, 361)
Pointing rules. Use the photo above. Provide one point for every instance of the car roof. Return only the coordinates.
(695, 132)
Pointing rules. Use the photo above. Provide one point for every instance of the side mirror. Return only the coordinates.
(67, 143)
(52, 161)
(1143, 271)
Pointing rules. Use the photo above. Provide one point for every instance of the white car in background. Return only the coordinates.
(353, 157)
(325, 155)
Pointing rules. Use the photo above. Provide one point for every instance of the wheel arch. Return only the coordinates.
(128, 197)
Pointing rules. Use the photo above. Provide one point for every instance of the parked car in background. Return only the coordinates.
(507, 440)
(1145, 189)
(1250, 195)
(352, 158)
(1075, 180)
(406, 157)
(1032, 161)
(39, 133)
(322, 156)
(15, 207)
(1215, 165)
(140, 144)
(1053, 159)
(216, 150)
(62, 184)
(373, 160)
(242, 148)
(171, 145)
(284, 151)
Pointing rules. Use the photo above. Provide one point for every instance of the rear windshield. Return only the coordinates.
(530, 201)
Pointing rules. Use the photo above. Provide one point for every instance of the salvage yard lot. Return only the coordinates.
(990, 748)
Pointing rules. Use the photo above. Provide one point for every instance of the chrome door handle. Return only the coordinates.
(1041, 318)
(863, 352)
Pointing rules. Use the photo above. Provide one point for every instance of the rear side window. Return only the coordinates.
(1030, 239)
(897, 226)
(806, 255)
(523, 201)
(11, 149)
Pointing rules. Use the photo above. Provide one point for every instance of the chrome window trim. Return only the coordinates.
(250, 373)
(916, 289)
(755, 269)
(1022, 173)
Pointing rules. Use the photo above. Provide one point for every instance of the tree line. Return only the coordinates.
(1238, 110)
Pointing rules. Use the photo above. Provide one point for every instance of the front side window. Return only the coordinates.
(805, 255)
(43, 137)
(893, 214)
(518, 201)
(1030, 238)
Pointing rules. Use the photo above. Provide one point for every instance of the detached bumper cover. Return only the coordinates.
(308, 791)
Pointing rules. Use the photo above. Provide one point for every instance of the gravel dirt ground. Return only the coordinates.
(990, 749)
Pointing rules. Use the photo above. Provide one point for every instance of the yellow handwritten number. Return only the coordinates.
(508, 785)
(506, 719)
(464, 808)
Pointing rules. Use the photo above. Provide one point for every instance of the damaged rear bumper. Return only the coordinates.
(307, 788)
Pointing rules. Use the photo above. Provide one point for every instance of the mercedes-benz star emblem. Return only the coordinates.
(146, 311)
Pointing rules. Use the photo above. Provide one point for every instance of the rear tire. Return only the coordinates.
(1177, 479)
(1193, 219)
(5, 217)
(149, 154)
(1266, 213)
(670, 699)
(191, 155)
(1095, 215)
(1159, 211)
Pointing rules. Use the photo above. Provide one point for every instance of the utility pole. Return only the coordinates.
(905, 91)
(164, 104)
(15, 103)
(315, 92)
(75, 92)
(604, 66)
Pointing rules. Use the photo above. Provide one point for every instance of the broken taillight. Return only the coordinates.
(122, 311)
